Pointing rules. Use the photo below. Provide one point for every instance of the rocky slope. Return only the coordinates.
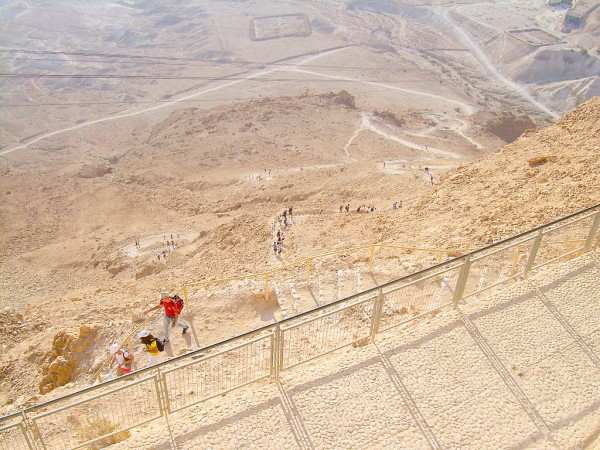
(73, 281)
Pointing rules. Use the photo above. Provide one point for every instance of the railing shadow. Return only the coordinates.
(222, 423)
(510, 382)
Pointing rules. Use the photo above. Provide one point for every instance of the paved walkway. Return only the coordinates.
(518, 370)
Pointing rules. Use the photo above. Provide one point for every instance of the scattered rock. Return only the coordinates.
(94, 171)
(345, 98)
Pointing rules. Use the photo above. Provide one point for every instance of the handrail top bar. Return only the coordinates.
(11, 415)
(145, 369)
(384, 245)
(312, 311)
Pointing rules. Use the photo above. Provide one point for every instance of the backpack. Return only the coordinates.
(128, 359)
(160, 345)
(177, 304)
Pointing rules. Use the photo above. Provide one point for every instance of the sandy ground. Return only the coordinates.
(519, 369)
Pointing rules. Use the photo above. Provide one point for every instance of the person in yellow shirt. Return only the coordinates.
(153, 346)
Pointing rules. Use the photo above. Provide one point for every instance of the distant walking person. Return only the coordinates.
(172, 307)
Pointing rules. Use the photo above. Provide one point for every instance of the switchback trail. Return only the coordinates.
(48, 134)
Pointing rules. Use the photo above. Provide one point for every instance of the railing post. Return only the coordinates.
(277, 352)
(308, 268)
(462, 281)
(266, 287)
(185, 294)
(376, 317)
(371, 260)
(163, 397)
(35, 432)
(516, 259)
(129, 345)
(593, 231)
(30, 434)
(533, 253)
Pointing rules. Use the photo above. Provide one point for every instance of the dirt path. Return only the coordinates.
(484, 60)
(292, 67)
(369, 122)
(468, 108)
(48, 134)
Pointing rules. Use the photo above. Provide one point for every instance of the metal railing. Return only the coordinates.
(103, 414)
(308, 264)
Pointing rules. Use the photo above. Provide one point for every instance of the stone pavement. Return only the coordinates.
(520, 369)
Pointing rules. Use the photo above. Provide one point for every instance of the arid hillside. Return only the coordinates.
(73, 280)
(543, 175)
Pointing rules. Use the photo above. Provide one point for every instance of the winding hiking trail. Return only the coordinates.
(468, 108)
(48, 134)
(293, 67)
(370, 122)
(484, 60)
(304, 59)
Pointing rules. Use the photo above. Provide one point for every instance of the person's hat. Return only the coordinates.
(113, 349)
(143, 333)
(164, 294)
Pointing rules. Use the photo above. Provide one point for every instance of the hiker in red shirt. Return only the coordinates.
(172, 307)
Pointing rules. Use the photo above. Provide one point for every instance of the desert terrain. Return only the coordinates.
(200, 123)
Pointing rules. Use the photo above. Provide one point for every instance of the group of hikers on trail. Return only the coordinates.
(285, 218)
(169, 246)
(284, 221)
(278, 244)
(172, 306)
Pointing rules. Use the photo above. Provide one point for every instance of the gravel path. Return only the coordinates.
(518, 370)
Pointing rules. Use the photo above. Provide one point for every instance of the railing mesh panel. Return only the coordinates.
(12, 437)
(93, 419)
(334, 329)
(498, 265)
(219, 373)
(411, 298)
(562, 242)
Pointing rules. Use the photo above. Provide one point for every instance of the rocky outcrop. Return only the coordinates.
(70, 356)
(507, 126)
